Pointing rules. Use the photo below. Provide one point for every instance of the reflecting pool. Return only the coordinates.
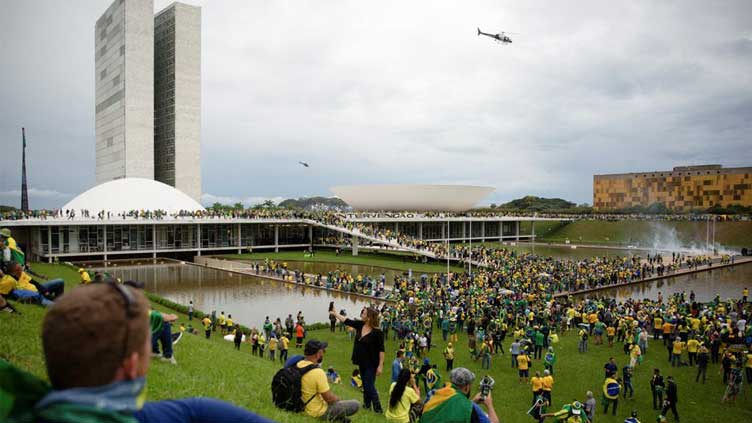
(248, 298)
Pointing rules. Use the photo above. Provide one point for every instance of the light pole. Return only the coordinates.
(470, 257)
(447, 249)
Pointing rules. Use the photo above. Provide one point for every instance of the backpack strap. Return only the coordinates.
(302, 372)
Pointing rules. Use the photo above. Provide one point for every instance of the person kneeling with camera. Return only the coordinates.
(452, 404)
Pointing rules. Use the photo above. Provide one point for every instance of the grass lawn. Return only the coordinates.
(648, 233)
(395, 261)
(213, 368)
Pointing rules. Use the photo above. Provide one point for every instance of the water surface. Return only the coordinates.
(248, 298)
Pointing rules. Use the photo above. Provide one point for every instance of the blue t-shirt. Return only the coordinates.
(482, 416)
(396, 369)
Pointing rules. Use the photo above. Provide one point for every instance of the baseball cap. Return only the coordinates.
(313, 346)
(461, 376)
(5, 233)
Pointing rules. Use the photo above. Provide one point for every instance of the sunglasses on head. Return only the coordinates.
(129, 308)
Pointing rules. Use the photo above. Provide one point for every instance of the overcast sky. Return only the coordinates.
(403, 92)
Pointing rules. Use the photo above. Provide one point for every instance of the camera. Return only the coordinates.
(486, 385)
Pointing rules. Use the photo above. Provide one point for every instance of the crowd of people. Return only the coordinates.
(513, 295)
(515, 273)
(337, 214)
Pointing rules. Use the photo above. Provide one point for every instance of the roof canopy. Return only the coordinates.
(122, 195)
(454, 198)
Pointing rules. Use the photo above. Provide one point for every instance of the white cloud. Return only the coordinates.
(406, 92)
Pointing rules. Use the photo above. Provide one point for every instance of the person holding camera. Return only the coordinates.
(452, 403)
(404, 394)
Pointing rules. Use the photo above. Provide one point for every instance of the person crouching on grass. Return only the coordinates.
(101, 377)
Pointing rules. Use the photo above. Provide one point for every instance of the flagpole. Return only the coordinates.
(24, 188)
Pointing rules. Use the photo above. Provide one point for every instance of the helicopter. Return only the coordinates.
(501, 37)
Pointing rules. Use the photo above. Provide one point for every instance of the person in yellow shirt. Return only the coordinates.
(657, 326)
(676, 352)
(402, 395)
(610, 333)
(222, 322)
(284, 344)
(356, 381)
(667, 328)
(548, 385)
(523, 364)
(319, 400)
(536, 385)
(693, 345)
(273, 341)
(85, 277)
(207, 326)
(20, 286)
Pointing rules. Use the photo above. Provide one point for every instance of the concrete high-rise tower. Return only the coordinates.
(177, 98)
(124, 73)
(148, 94)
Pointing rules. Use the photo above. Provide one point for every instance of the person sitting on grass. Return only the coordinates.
(355, 380)
(161, 329)
(333, 376)
(96, 346)
(315, 392)
(16, 284)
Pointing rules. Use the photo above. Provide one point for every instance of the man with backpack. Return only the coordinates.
(304, 387)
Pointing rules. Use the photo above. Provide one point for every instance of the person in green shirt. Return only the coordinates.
(539, 342)
(549, 360)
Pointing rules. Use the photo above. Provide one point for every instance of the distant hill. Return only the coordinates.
(533, 203)
(314, 203)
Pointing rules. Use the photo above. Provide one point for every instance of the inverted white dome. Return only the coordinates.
(455, 198)
(123, 195)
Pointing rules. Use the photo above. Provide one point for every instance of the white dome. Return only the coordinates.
(455, 198)
(123, 195)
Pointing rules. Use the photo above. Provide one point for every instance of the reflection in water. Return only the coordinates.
(728, 282)
(249, 299)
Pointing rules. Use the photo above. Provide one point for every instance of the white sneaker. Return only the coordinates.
(170, 360)
(156, 355)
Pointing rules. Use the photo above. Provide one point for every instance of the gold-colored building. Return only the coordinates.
(682, 189)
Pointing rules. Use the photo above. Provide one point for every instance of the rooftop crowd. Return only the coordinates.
(336, 215)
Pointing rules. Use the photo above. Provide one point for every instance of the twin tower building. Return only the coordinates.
(148, 94)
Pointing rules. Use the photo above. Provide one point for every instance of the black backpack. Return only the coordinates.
(286, 391)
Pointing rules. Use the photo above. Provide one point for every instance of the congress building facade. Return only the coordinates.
(684, 188)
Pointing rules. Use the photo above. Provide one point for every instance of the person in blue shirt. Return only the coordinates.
(397, 365)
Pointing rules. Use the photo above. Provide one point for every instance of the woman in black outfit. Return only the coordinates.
(368, 352)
